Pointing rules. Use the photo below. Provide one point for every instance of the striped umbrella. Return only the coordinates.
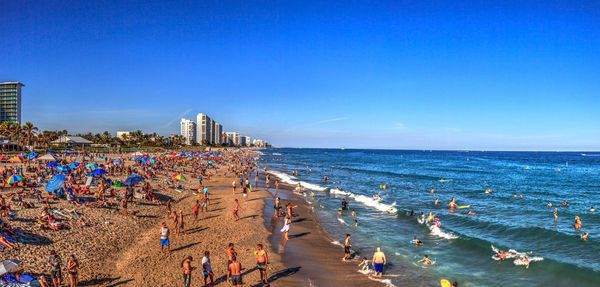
(179, 177)
(63, 168)
(13, 178)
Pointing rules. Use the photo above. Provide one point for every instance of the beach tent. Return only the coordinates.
(15, 159)
(8, 265)
(48, 156)
(55, 182)
(132, 180)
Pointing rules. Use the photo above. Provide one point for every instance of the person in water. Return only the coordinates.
(353, 213)
(470, 213)
(501, 255)
(592, 209)
(426, 260)
(577, 223)
(344, 204)
(549, 204)
(355, 223)
(416, 242)
(452, 203)
(436, 201)
(364, 264)
(584, 236)
(430, 217)
(525, 260)
(555, 214)
(565, 203)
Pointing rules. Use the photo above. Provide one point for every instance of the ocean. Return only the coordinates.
(463, 246)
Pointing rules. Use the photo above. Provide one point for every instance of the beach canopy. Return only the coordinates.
(91, 165)
(15, 159)
(55, 182)
(63, 168)
(179, 177)
(52, 164)
(74, 165)
(47, 156)
(132, 180)
(13, 178)
(8, 265)
(99, 171)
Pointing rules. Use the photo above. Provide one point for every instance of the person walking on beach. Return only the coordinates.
(72, 266)
(378, 262)
(262, 260)
(347, 246)
(196, 209)
(164, 238)
(234, 274)
(230, 253)
(124, 203)
(187, 271)
(236, 208)
(54, 263)
(204, 204)
(276, 187)
(286, 227)
(181, 228)
(233, 184)
(207, 269)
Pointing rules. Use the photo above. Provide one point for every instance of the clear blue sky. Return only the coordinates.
(371, 74)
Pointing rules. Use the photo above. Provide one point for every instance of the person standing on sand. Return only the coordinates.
(181, 228)
(236, 208)
(262, 260)
(347, 246)
(124, 202)
(164, 238)
(72, 266)
(286, 227)
(54, 263)
(176, 223)
(187, 271)
(378, 262)
(196, 209)
(234, 274)
(207, 269)
(204, 204)
(276, 187)
(233, 184)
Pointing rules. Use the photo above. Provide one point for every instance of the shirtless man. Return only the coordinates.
(426, 259)
(234, 274)
(181, 228)
(196, 209)
(204, 204)
(555, 214)
(584, 236)
(378, 262)
(236, 208)
(261, 263)
(347, 247)
(276, 186)
(187, 271)
(230, 253)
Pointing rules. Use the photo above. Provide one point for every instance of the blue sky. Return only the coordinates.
(400, 74)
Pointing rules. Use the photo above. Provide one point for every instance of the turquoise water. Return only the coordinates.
(462, 246)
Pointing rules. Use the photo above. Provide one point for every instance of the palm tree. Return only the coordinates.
(28, 128)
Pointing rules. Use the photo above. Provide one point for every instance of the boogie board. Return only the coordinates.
(466, 206)
(445, 283)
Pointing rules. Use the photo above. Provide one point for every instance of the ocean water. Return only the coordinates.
(462, 247)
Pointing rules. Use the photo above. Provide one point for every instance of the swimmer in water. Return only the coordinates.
(412, 213)
(353, 213)
(340, 211)
(452, 203)
(584, 235)
(426, 260)
(549, 204)
(432, 190)
(521, 195)
(565, 203)
(515, 196)
(524, 259)
(470, 213)
(592, 209)
(416, 242)
(555, 214)
(488, 190)
(430, 217)
(436, 201)
(355, 223)
(501, 255)
(577, 223)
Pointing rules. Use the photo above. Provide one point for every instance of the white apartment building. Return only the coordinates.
(203, 129)
(247, 141)
(122, 134)
(188, 131)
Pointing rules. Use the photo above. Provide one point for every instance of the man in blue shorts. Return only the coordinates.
(164, 238)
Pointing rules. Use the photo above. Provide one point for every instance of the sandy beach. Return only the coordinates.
(117, 250)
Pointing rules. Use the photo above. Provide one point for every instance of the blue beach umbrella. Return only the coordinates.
(52, 164)
(33, 155)
(62, 168)
(98, 172)
(55, 182)
(132, 180)
(91, 165)
(74, 165)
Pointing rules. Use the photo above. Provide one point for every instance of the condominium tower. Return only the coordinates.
(188, 131)
(10, 102)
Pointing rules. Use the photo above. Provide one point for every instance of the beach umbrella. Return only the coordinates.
(74, 165)
(47, 156)
(1, 157)
(132, 180)
(99, 171)
(179, 177)
(91, 165)
(62, 168)
(32, 155)
(55, 182)
(52, 164)
(8, 265)
(13, 178)
(15, 159)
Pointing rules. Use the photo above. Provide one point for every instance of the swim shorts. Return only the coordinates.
(164, 242)
(236, 279)
(378, 267)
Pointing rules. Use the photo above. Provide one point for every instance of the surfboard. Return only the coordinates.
(465, 206)
(445, 283)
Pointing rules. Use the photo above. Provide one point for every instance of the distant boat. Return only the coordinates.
(343, 148)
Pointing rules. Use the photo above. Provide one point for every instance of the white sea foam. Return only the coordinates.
(293, 181)
(369, 201)
(519, 261)
(335, 242)
(341, 220)
(439, 233)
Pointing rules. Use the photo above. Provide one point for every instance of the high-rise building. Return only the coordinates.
(233, 138)
(211, 128)
(203, 129)
(188, 131)
(218, 134)
(247, 141)
(10, 102)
